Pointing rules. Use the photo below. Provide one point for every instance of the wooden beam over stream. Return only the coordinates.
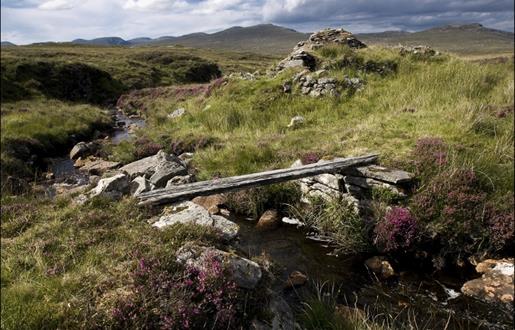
(210, 187)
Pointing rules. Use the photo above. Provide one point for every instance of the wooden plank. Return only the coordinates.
(210, 187)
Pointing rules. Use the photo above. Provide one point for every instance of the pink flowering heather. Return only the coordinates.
(429, 155)
(396, 231)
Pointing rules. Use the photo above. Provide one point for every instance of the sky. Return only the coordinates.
(27, 21)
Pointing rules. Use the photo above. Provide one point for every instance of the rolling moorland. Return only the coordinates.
(76, 255)
(464, 40)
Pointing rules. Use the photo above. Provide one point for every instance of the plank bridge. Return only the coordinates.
(210, 187)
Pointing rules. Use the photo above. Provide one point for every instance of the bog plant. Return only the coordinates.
(397, 231)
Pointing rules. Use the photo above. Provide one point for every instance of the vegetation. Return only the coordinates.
(99, 264)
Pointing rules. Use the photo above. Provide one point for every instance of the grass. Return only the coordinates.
(62, 265)
(249, 118)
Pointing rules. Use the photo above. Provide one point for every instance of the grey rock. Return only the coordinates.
(139, 185)
(81, 149)
(369, 183)
(191, 213)
(381, 173)
(113, 187)
(147, 166)
(164, 171)
(296, 122)
(245, 273)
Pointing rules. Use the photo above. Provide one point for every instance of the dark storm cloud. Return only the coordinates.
(397, 14)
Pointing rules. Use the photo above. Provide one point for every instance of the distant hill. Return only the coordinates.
(263, 38)
(276, 40)
(7, 44)
(105, 41)
(459, 39)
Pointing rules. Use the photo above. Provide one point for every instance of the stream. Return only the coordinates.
(434, 300)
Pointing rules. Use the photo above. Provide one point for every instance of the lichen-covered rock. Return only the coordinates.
(82, 149)
(245, 273)
(496, 283)
(381, 173)
(177, 113)
(296, 121)
(146, 167)
(191, 213)
(180, 180)
(112, 187)
(420, 51)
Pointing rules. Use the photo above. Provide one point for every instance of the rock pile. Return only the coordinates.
(421, 51)
(354, 185)
(318, 87)
(302, 53)
(330, 36)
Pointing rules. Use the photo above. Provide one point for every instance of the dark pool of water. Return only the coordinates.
(435, 300)
(122, 131)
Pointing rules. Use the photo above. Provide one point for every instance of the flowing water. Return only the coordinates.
(435, 299)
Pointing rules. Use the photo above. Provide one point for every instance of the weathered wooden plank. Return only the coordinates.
(202, 188)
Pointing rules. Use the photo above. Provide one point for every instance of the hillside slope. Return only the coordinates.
(459, 39)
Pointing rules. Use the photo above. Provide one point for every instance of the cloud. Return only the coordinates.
(58, 4)
(25, 21)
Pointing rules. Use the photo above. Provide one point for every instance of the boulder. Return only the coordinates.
(191, 213)
(81, 149)
(113, 187)
(139, 185)
(354, 183)
(380, 266)
(245, 273)
(295, 279)
(495, 284)
(166, 170)
(211, 203)
(179, 180)
(168, 165)
(99, 166)
(269, 220)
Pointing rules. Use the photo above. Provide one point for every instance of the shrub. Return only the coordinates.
(501, 223)
(396, 231)
(453, 207)
(196, 298)
(145, 147)
(310, 158)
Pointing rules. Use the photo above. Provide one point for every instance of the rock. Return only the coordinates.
(296, 278)
(495, 284)
(353, 183)
(245, 273)
(396, 177)
(211, 203)
(99, 166)
(139, 185)
(418, 51)
(177, 113)
(49, 176)
(298, 58)
(191, 213)
(296, 122)
(164, 171)
(380, 266)
(113, 187)
(81, 149)
(268, 220)
(158, 168)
